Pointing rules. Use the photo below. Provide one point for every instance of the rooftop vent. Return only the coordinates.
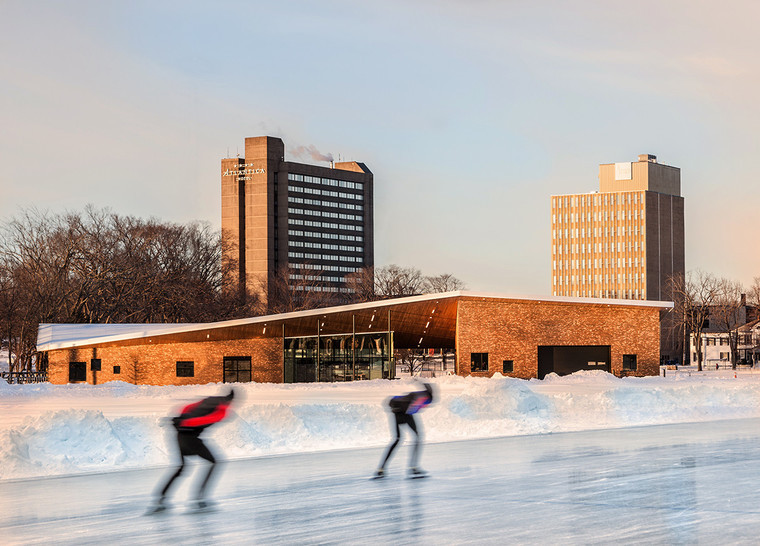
(648, 157)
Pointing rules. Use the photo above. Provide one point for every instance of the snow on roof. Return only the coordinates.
(60, 336)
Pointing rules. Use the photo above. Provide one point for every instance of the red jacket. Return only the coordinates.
(196, 417)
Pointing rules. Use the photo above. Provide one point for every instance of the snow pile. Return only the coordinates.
(53, 430)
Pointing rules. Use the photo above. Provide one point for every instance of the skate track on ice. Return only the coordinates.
(672, 484)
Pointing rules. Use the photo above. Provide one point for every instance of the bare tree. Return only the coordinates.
(297, 289)
(97, 266)
(393, 281)
(412, 359)
(727, 313)
(694, 295)
(443, 283)
(753, 293)
(361, 284)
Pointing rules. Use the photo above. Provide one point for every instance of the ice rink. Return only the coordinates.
(672, 484)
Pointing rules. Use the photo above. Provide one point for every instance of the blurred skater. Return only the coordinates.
(403, 409)
(191, 422)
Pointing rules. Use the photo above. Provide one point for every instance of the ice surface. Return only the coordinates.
(50, 430)
(671, 484)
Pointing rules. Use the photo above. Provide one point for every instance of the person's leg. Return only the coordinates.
(202, 451)
(414, 459)
(182, 443)
(397, 420)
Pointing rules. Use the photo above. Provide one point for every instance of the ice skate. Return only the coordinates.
(416, 473)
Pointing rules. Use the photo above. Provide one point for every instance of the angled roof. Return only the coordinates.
(428, 320)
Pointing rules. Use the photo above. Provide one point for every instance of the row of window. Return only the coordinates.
(619, 231)
(325, 246)
(721, 356)
(318, 234)
(236, 369)
(323, 214)
(325, 225)
(599, 216)
(584, 279)
(338, 268)
(326, 181)
(611, 198)
(321, 203)
(327, 193)
(597, 263)
(331, 257)
(630, 246)
(716, 341)
(479, 363)
(340, 289)
(609, 294)
(318, 278)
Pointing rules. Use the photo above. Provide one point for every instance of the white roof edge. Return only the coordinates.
(572, 299)
(46, 341)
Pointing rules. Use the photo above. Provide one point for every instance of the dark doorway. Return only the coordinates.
(77, 372)
(237, 369)
(567, 359)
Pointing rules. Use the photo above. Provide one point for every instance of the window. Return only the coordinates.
(478, 362)
(116, 370)
(95, 364)
(508, 366)
(77, 371)
(237, 369)
(629, 362)
(724, 356)
(185, 369)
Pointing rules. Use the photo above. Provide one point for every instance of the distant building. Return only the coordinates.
(285, 218)
(624, 241)
(716, 346)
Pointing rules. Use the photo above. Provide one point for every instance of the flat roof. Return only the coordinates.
(436, 311)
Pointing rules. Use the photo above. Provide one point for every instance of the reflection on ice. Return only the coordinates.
(680, 484)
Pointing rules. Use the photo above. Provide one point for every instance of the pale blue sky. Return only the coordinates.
(470, 114)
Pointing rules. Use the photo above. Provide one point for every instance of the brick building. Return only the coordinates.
(519, 336)
(285, 218)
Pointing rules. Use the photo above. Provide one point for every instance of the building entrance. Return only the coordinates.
(567, 359)
(342, 357)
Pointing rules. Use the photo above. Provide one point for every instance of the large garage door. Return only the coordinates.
(567, 359)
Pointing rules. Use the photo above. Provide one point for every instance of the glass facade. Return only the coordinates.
(338, 358)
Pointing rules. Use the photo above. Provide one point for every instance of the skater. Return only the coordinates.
(191, 422)
(403, 409)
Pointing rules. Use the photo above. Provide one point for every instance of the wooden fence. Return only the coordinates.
(19, 378)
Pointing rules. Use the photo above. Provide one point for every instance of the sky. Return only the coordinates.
(469, 114)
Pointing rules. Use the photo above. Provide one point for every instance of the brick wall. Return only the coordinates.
(155, 364)
(513, 330)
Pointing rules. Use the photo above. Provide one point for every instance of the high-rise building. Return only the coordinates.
(624, 241)
(285, 218)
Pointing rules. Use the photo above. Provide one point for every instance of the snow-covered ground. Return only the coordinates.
(49, 430)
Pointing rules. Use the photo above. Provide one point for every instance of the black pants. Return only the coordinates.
(191, 444)
(404, 419)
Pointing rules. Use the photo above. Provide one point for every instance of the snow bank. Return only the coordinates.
(53, 430)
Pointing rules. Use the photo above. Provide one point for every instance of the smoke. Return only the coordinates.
(310, 151)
